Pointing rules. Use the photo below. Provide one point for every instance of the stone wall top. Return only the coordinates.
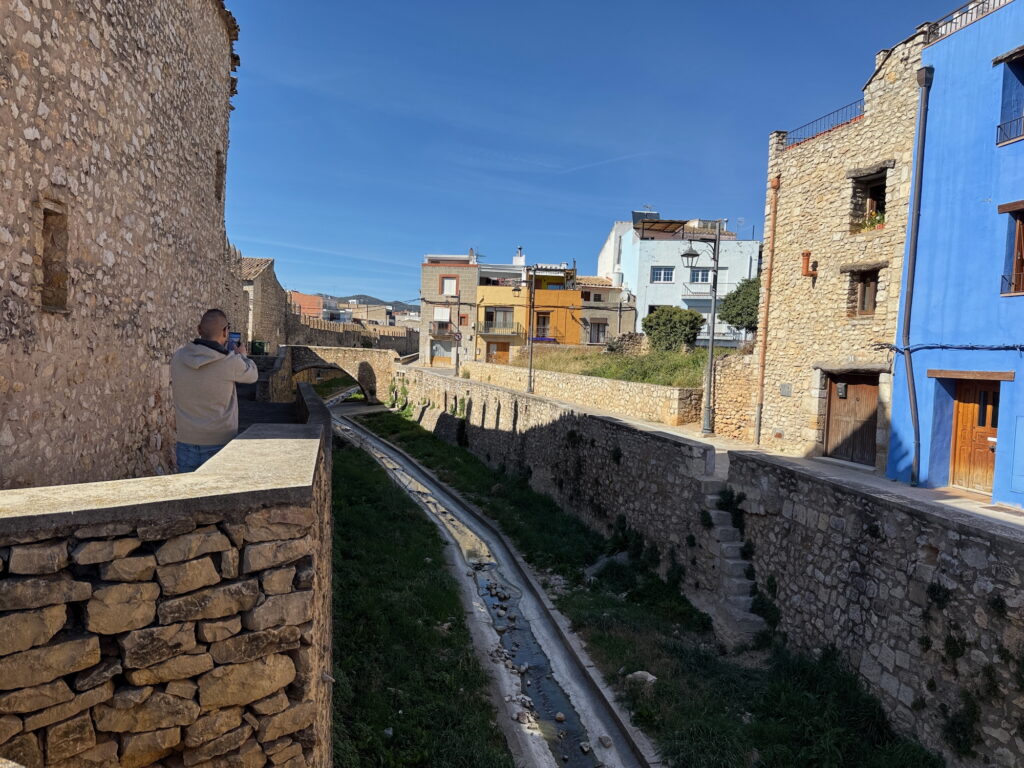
(266, 464)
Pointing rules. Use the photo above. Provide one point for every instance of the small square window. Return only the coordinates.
(598, 297)
(586, 295)
(463, 319)
(863, 292)
(449, 286)
(663, 274)
(700, 275)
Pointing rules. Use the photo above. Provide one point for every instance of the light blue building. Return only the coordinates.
(643, 255)
(963, 285)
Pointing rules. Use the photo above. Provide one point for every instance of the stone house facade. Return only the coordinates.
(836, 221)
(608, 310)
(267, 304)
(448, 288)
(112, 240)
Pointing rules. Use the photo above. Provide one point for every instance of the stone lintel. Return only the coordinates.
(863, 266)
(871, 170)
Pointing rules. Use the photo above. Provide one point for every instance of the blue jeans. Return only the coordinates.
(192, 457)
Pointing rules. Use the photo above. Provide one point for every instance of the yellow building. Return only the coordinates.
(503, 313)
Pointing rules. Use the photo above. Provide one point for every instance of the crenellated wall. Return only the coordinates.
(185, 616)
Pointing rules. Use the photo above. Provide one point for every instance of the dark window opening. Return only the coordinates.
(598, 332)
(863, 292)
(1013, 277)
(542, 329)
(868, 204)
(598, 297)
(1011, 114)
(55, 261)
(586, 295)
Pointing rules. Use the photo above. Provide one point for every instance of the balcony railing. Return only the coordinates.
(1010, 130)
(441, 329)
(1013, 283)
(826, 123)
(961, 17)
(501, 329)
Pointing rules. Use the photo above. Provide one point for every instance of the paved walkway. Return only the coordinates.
(250, 411)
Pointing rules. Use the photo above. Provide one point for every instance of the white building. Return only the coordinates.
(643, 255)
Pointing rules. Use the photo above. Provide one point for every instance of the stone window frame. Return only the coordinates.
(858, 287)
(51, 274)
(862, 204)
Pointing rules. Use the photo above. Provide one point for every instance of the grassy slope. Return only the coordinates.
(706, 711)
(330, 387)
(403, 657)
(674, 369)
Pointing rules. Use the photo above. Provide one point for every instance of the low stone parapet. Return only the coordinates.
(638, 400)
(182, 617)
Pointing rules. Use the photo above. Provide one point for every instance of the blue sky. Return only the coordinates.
(368, 134)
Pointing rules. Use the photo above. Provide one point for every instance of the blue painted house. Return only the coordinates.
(966, 329)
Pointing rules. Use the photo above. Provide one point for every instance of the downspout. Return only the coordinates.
(924, 82)
(773, 209)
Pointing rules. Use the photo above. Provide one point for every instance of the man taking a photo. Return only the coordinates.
(203, 378)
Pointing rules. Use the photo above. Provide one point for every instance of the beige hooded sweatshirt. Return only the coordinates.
(203, 380)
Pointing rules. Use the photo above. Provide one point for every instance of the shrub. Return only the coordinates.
(670, 328)
(739, 308)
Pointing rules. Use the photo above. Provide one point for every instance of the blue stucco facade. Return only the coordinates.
(965, 249)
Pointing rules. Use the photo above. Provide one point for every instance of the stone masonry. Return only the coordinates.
(925, 602)
(637, 400)
(735, 389)
(181, 624)
(113, 140)
(811, 323)
(268, 304)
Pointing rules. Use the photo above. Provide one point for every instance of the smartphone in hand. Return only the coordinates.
(234, 340)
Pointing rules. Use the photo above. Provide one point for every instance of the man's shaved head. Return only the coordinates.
(213, 324)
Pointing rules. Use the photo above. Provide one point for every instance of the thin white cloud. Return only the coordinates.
(411, 264)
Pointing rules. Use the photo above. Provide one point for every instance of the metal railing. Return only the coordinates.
(1013, 283)
(441, 328)
(961, 17)
(501, 329)
(1010, 130)
(841, 116)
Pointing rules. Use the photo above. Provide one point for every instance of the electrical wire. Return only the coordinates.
(1019, 348)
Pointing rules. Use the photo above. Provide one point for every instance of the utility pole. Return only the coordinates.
(531, 276)
(458, 331)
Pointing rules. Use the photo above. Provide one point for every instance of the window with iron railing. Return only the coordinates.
(1011, 117)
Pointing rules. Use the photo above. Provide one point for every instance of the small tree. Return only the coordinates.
(670, 328)
(739, 308)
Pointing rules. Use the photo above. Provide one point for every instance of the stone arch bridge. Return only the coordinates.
(373, 369)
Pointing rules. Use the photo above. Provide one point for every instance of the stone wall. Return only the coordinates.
(811, 323)
(311, 331)
(269, 310)
(651, 402)
(925, 601)
(373, 369)
(133, 250)
(181, 618)
(735, 396)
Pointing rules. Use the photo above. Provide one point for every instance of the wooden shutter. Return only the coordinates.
(1017, 276)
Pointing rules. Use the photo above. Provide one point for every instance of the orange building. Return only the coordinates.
(306, 304)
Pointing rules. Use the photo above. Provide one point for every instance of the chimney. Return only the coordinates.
(519, 260)
(472, 256)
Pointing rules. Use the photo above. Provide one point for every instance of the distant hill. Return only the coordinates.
(362, 298)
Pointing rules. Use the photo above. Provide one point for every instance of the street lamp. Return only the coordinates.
(689, 258)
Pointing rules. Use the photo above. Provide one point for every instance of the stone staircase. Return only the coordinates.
(730, 601)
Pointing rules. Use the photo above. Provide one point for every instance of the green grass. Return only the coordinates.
(403, 657)
(673, 369)
(706, 710)
(330, 387)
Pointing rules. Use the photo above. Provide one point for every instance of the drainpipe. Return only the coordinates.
(773, 209)
(924, 82)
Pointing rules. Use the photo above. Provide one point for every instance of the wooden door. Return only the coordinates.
(851, 418)
(975, 422)
(497, 352)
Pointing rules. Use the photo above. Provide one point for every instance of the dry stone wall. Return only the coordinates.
(735, 396)
(189, 628)
(668, 405)
(927, 603)
(114, 136)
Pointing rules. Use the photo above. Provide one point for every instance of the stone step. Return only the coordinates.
(725, 533)
(745, 622)
(740, 603)
(718, 517)
(711, 501)
(736, 568)
(734, 587)
(711, 487)
(730, 549)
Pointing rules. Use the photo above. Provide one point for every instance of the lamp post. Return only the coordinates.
(689, 258)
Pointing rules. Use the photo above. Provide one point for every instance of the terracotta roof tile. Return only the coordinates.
(252, 268)
(594, 282)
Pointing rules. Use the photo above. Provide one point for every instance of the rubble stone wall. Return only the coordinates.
(116, 115)
(269, 310)
(668, 405)
(735, 396)
(324, 333)
(927, 603)
(811, 319)
(189, 624)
